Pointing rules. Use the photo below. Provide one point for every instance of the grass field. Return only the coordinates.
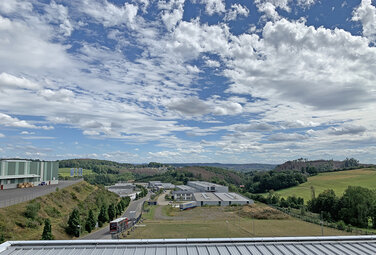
(66, 172)
(216, 222)
(338, 181)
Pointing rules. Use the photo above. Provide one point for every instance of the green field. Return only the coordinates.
(216, 222)
(338, 181)
(66, 172)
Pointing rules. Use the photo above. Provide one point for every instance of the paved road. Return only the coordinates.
(133, 210)
(10, 197)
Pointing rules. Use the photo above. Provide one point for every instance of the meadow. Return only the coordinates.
(338, 181)
(217, 222)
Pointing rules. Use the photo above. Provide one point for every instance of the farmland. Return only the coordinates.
(338, 181)
(215, 222)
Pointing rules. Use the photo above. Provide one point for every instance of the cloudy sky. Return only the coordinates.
(188, 80)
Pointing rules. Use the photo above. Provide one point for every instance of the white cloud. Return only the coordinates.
(2, 135)
(9, 121)
(214, 6)
(10, 81)
(235, 11)
(27, 133)
(212, 63)
(58, 14)
(366, 14)
(111, 15)
(172, 12)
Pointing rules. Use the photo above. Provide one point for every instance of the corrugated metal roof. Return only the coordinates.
(225, 246)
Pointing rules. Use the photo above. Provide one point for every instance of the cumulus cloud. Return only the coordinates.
(190, 106)
(110, 14)
(172, 12)
(235, 11)
(366, 14)
(214, 6)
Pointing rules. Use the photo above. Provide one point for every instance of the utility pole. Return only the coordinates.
(322, 227)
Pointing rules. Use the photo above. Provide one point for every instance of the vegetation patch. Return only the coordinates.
(257, 211)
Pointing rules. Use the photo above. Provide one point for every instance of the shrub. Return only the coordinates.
(52, 212)
(77, 189)
(73, 196)
(47, 230)
(341, 225)
(32, 210)
(32, 223)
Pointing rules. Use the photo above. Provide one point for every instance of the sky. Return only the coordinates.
(188, 80)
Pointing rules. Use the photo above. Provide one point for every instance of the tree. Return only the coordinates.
(119, 209)
(111, 212)
(47, 230)
(74, 223)
(90, 222)
(103, 215)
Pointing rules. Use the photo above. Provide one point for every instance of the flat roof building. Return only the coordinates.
(346, 245)
(221, 199)
(207, 186)
(14, 172)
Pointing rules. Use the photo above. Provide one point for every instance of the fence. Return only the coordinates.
(131, 227)
(306, 218)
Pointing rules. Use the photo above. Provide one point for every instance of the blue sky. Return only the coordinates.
(188, 80)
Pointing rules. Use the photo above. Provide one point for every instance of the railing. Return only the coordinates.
(350, 229)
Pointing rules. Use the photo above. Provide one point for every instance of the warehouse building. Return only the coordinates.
(207, 186)
(220, 199)
(15, 172)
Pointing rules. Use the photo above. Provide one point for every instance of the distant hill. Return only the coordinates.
(236, 167)
(320, 165)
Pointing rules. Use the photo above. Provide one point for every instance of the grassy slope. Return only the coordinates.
(338, 181)
(13, 221)
(219, 222)
(66, 171)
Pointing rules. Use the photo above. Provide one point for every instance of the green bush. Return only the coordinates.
(32, 223)
(73, 195)
(77, 189)
(52, 212)
(32, 210)
(341, 225)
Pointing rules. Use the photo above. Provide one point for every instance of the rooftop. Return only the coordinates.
(231, 197)
(217, 246)
(206, 184)
(202, 196)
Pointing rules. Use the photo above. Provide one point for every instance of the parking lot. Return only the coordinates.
(14, 196)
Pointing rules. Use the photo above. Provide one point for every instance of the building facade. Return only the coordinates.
(207, 186)
(14, 172)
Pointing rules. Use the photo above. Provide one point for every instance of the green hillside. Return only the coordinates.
(338, 181)
(65, 172)
(17, 222)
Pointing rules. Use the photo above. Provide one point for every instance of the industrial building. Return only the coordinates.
(157, 185)
(220, 199)
(206, 193)
(207, 186)
(15, 172)
(346, 245)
